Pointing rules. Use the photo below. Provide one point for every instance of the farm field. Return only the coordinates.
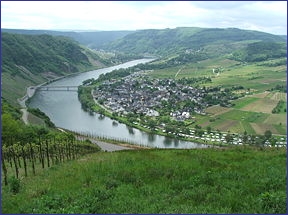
(264, 105)
(217, 110)
(192, 70)
(279, 96)
(252, 114)
(240, 103)
(254, 76)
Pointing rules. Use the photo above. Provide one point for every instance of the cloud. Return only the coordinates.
(265, 16)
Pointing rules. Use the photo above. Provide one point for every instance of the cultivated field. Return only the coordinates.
(254, 76)
(264, 105)
(252, 113)
(279, 96)
(275, 119)
(260, 128)
(217, 110)
(261, 95)
(240, 103)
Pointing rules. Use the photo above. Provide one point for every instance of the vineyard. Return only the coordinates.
(46, 151)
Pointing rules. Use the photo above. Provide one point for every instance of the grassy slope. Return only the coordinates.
(15, 87)
(158, 181)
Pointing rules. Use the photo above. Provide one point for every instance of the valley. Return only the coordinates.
(204, 110)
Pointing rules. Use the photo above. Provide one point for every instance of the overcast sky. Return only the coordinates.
(267, 16)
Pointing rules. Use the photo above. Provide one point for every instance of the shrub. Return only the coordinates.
(14, 185)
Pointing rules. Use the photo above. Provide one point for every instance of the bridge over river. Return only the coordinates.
(58, 88)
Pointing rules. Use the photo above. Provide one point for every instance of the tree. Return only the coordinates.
(260, 140)
(164, 119)
(268, 134)
(209, 129)
(199, 132)
(229, 138)
(10, 127)
(170, 128)
(245, 137)
(152, 124)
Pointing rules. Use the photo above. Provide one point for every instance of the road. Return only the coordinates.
(179, 71)
(29, 93)
(25, 115)
(109, 147)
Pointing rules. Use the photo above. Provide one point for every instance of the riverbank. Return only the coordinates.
(31, 90)
(108, 113)
(105, 143)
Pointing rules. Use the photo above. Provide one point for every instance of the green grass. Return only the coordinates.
(281, 129)
(240, 103)
(247, 127)
(233, 73)
(158, 181)
(245, 116)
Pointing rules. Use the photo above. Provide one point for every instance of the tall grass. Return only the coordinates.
(235, 180)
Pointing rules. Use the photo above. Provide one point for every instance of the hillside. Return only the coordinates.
(32, 59)
(200, 181)
(92, 39)
(168, 41)
(261, 51)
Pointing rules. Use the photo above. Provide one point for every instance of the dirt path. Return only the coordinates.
(179, 71)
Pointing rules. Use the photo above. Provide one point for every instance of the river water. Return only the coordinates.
(64, 110)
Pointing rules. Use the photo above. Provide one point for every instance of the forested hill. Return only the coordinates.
(167, 41)
(32, 59)
(92, 39)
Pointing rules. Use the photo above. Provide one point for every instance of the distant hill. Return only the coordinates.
(164, 42)
(93, 39)
(284, 37)
(261, 51)
(32, 59)
(171, 41)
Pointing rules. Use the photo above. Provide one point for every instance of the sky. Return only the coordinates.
(266, 16)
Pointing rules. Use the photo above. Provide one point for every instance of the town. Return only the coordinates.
(139, 94)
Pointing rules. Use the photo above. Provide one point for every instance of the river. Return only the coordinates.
(64, 110)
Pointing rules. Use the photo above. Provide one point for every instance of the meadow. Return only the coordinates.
(197, 181)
